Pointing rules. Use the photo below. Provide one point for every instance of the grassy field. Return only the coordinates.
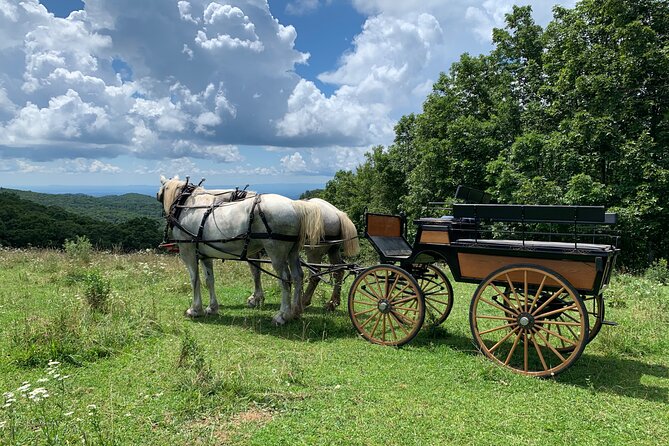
(133, 370)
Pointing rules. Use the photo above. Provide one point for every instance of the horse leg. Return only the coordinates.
(208, 265)
(258, 297)
(314, 255)
(188, 255)
(297, 278)
(334, 255)
(282, 271)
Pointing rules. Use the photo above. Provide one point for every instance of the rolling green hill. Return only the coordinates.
(111, 208)
(25, 223)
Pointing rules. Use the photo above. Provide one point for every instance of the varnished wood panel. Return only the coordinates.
(435, 237)
(477, 266)
(384, 226)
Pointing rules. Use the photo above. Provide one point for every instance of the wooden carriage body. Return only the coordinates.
(461, 242)
(541, 272)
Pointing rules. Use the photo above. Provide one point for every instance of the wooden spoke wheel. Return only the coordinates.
(594, 307)
(529, 319)
(437, 291)
(386, 305)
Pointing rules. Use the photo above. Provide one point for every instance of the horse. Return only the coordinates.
(340, 232)
(206, 227)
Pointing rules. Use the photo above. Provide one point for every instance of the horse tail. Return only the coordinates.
(349, 233)
(312, 228)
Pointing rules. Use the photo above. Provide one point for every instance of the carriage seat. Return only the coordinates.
(395, 247)
(533, 245)
(386, 233)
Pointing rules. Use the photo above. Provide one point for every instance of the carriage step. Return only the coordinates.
(611, 323)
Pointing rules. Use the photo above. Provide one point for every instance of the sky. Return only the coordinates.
(119, 92)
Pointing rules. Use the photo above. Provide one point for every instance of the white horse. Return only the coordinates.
(339, 232)
(206, 227)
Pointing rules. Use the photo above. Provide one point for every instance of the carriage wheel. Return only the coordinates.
(386, 305)
(594, 306)
(438, 294)
(515, 314)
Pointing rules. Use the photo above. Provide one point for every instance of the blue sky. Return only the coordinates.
(114, 92)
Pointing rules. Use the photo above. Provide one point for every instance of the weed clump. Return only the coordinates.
(658, 272)
(80, 249)
(198, 373)
(97, 291)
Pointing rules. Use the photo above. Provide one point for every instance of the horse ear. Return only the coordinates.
(163, 180)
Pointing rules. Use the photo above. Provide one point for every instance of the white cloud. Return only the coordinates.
(201, 79)
(58, 81)
(71, 166)
(301, 7)
(82, 165)
(391, 59)
(488, 16)
(294, 163)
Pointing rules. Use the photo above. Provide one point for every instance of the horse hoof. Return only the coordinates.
(193, 314)
(330, 306)
(254, 302)
(212, 311)
(278, 319)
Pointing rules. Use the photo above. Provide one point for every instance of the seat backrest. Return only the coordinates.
(382, 225)
(535, 213)
(471, 195)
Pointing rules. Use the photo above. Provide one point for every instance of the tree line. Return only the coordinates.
(25, 223)
(573, 113)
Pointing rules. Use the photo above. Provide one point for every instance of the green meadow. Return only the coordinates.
(96, 350)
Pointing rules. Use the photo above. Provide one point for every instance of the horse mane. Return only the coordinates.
(349, 234)
(312, 228)
(171, 190)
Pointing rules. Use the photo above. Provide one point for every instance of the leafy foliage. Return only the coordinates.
(576, 113)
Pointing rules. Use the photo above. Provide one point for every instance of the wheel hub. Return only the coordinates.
(525, 321)
(384, 306)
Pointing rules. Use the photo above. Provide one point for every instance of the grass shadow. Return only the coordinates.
(315, 324)
(598, 374)
(619, 376)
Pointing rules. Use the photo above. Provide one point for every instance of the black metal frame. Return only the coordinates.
(467, 222)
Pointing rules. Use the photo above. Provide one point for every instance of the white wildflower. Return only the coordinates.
(3, 424)
(68, 414)
(53, 363)
(43, 380)
(24, 388)
(38, 394)
(92, 407)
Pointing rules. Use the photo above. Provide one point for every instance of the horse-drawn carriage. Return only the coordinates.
(539, 297)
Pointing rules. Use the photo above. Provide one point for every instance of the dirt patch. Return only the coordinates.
(217, 430)
(254, 415)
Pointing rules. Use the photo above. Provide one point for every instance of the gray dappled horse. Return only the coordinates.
(207, 229)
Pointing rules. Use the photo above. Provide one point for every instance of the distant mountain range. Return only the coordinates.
(290, 190)
(115, 205)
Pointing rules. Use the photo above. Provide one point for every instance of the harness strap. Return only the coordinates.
(179, 204)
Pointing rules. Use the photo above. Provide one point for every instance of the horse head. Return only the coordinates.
(169, 191)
